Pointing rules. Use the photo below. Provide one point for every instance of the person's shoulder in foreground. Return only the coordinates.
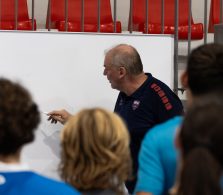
(28, 182)
(157, 158)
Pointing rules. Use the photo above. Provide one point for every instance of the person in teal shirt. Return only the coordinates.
(158, 156)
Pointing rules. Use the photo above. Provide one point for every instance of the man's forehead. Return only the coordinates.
(107, 59)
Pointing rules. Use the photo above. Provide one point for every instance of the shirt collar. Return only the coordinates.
(13, 167)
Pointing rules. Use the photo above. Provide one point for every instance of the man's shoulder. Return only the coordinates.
(154, 80)
(158, 88)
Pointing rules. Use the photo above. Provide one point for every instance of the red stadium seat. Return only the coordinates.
(214, 17)
(90, 16)
(154, 18)
(8, 16)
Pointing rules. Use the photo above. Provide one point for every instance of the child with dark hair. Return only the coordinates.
(19, 117)
(158, 156)
(201, 146)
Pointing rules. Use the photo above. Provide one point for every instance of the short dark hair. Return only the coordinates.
(205, 69)
(201, 138)
(19, 117)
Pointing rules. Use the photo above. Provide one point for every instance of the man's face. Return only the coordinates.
(112, 72)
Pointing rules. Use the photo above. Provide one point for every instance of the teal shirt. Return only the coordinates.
(158, 158)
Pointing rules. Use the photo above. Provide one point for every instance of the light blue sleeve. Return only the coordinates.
(150, 172)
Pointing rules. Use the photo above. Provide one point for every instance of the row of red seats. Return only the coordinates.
(57, 15)
(7, 20)
(90, 16)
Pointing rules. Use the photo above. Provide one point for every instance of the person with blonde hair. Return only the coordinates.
(95, 152)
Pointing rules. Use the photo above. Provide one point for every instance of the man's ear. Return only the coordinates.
(122, 71)
(184, 79)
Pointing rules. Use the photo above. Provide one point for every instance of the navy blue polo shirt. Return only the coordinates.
(152, 103)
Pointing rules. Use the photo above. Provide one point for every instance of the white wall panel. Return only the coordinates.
(65, 70)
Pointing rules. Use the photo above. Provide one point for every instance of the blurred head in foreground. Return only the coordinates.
(95, 151)
(19, 117)
(201, 145)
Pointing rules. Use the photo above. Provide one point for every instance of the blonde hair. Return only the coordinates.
(95, 151)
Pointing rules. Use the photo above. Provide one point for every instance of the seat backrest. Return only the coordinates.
(74, 11)
(154, 11)
(8, 10)
(214, 17)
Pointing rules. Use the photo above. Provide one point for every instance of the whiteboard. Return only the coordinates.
(65, 70)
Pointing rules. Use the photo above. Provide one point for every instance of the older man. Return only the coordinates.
(143, 101)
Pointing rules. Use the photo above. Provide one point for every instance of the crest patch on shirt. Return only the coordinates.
(135, 104)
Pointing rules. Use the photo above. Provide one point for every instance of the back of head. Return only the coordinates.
(205, 69)
(127, 56)
(95, 151)
(19, 117)
(201, 140)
